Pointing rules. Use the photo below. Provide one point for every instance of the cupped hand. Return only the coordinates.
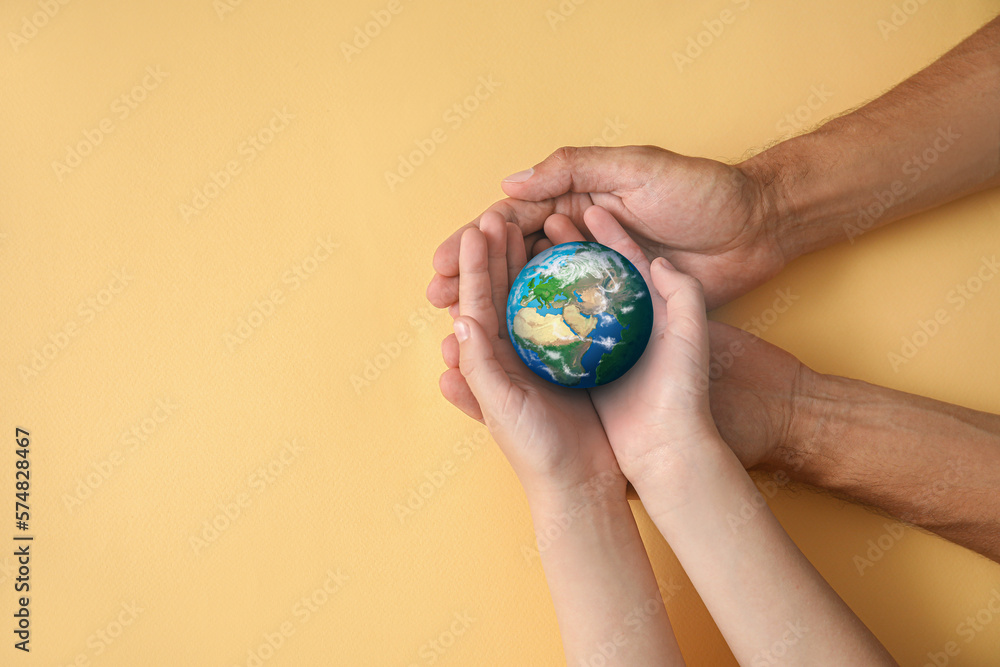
(660, 408)
(552, 436)
(709, 219)
(751, 385)
(696, 376)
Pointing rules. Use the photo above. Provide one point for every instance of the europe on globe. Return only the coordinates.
(579, 314)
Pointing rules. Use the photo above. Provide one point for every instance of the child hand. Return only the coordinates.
(660, 408)
(551, 435)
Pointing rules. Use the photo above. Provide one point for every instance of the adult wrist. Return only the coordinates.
(817, 419)
(768, 175)
(806, 196)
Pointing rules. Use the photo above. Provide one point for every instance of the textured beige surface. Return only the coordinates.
(234, 278)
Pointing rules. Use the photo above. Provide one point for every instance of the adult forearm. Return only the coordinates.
(606, 596)
(764, 595)
(925, 462)
(933, 138)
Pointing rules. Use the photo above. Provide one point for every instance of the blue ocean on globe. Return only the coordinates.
(579, 314)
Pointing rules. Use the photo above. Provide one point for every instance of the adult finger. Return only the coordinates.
(517, 255)
(541, 245)
(527, 215)
(449, 351)
(585, 169)
(442, 291)
(560, 229)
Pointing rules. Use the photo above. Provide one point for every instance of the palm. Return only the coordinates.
(669, 379)
(550, 429)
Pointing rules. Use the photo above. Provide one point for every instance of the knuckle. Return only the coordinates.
(565, 154)
(692, 284)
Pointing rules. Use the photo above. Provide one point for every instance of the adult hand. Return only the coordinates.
(552, 436)
(711, 220)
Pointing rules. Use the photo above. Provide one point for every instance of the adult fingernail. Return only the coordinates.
(461, 330)
(520, 177)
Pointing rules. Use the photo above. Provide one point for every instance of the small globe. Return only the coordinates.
(579, 314)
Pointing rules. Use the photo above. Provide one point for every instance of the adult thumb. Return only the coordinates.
(585, 169)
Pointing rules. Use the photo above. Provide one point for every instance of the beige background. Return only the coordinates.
(210, 316)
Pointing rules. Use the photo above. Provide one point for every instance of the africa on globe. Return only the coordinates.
(579, 314)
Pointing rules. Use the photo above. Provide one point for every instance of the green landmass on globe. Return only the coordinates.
(579, 314)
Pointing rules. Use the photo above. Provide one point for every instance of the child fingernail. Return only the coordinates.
(461, 330)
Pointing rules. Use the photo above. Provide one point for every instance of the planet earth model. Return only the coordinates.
(579, 314)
